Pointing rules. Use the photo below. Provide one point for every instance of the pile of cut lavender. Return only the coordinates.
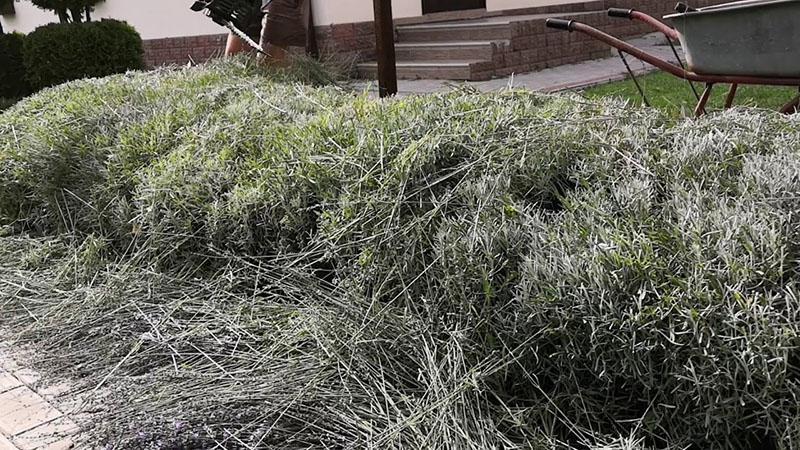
(221, 257)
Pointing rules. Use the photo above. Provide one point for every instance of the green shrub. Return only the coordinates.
(12, 69)
(57, 53)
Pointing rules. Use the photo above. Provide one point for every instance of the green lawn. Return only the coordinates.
(671, 94)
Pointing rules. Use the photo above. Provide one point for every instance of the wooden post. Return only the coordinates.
(311, 38)
(384, 40)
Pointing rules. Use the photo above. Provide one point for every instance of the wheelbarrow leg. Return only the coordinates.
(633, 77)
(731, 95)
(701, 105)
(680, 61)
(792, 106)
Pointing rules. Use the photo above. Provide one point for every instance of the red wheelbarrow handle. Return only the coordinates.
(571, 25)
(633, 14)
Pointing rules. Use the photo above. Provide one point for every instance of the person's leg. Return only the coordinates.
(234, 46)
(276, 55)
(282, 28)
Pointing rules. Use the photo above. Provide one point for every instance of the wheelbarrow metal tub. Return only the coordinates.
(677, 70)
(759, 38)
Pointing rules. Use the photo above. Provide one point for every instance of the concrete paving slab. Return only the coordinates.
(28, 420)
(22, 409)
(55, 391)
(8, 381)
(28, 377)
(5, 444)
(55, 435)
(12, 365)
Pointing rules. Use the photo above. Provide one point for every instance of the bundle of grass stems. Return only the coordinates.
(223, 257)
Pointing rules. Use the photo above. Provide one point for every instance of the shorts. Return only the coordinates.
(285, 23)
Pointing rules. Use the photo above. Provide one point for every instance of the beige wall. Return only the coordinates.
(328, 12)
(499, 5)
(169, 18)
(152, 18)
(346, 11)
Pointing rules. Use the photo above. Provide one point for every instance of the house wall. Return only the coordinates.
(173, 34)
(329, 12)
(156, 19)
(153, 19)
(501, 5)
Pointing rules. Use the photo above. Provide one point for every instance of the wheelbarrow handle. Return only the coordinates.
(559, 24)
(622, 13)
(651, 21)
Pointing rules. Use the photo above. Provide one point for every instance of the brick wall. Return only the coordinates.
(535, 47)
(532, 46)
(159, 52)
(354, 39)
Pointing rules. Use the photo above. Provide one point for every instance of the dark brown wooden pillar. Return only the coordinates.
(384, 40)
(311, 37)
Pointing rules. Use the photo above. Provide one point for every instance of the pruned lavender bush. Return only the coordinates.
(234, 259)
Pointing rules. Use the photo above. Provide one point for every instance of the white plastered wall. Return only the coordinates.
(172, 18)
(152, 18)
(500, 5)
(327, 12)
(345, 11)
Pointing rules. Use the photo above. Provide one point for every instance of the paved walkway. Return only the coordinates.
(572, 76)
(28, 420)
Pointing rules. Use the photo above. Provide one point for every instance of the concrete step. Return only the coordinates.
(454, 31)
(473, 70)
(448, 50)
(478, 49)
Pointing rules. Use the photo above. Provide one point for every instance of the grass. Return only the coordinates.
(226, 257)
(674, 96)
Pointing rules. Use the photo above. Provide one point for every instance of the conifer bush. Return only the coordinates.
(12, 70)
(61, 52)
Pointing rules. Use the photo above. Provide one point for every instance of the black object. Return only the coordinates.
(240, 16)
(559, 24)
(633, 77)
(620, 12)
(224, 12)
(683, 8)
(434, 6)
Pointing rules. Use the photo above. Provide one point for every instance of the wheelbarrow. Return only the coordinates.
(746, 42)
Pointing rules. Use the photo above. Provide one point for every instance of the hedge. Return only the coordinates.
(12, 72)
(57, 53)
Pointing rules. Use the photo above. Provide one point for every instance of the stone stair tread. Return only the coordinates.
(431, 63)
(480, 48)
(450, 25)
(493, 21)
(450, 43)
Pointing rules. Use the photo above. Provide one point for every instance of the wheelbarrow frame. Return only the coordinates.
(677, 70)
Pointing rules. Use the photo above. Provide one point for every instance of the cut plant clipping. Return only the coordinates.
(232, 257)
